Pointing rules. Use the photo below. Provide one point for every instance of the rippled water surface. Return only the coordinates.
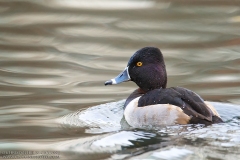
(55, 56)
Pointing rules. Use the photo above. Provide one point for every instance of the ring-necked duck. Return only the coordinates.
(154, 104)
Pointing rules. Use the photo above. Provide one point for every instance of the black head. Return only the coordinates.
(146, 68)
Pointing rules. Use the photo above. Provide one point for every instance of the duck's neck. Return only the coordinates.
(155, 79)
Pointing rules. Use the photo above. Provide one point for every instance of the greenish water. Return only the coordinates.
(55, 56)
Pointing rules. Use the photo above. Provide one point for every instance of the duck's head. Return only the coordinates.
(146, 68)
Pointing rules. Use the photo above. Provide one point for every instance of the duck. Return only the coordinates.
(152, 103)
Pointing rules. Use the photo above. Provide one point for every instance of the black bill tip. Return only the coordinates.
(108, 83)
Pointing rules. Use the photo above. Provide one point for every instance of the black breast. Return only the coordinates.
(137, 93)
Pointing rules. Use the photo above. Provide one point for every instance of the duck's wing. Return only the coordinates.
(190, 103)
(196, 103)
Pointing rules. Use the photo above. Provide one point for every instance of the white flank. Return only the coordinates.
(152, 115)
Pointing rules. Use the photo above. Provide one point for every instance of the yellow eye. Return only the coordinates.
(139, 64)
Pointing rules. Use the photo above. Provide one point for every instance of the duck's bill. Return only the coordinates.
(122, 77)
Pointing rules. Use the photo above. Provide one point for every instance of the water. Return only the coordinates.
(56, 55)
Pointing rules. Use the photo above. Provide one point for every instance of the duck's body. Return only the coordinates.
(155, 105)
(168, 106)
